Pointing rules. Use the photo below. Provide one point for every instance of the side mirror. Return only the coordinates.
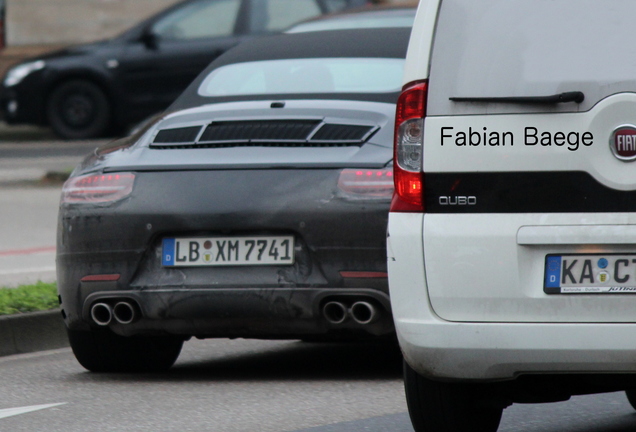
(150, 39)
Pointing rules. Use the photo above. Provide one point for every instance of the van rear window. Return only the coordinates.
(504, 48)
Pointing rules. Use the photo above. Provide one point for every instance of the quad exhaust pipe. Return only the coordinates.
(102, 314)
(362, 312)
(124, 312)
(335, 312)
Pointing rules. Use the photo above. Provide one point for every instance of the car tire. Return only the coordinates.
(78, 109)
(104, 351)
(448, 407)
(631, 397)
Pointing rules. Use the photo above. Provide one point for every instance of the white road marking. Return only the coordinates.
(23, 410)
(27, 270)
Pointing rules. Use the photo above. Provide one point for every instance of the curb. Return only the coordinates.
(30, 332)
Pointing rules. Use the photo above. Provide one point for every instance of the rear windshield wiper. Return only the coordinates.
(575, 96)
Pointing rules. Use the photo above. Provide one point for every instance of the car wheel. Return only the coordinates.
(631, 397)
(105, 351)
(78, 109)
(448, 407)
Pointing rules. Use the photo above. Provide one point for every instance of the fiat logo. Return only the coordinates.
(623, 142)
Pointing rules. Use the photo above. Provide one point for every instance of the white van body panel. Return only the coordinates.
(419, 52)
(407, 280)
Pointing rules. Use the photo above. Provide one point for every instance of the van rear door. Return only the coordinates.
(529, 171)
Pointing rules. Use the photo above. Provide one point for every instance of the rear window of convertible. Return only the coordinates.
(313, 75)
(499, 48)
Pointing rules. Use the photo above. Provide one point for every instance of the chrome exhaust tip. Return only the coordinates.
(334, 312)
(364, 312)
(124, 312)
(102, 314)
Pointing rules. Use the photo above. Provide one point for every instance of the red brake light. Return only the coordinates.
(412, 102)
(408, 148)
(97, 188)
(366, 183)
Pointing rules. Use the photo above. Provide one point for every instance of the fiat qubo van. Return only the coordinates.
(512, 232)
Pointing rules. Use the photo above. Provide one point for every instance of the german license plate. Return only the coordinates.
(590, 274)
(226, 251)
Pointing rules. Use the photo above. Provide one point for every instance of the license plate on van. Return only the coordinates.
(227, 251)
(590, 274)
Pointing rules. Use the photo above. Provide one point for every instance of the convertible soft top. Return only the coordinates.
(377, 42)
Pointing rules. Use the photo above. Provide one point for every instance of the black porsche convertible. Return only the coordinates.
(255, 207)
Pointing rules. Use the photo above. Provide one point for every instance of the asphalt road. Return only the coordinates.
(28, 160)
(216, 385)
(265, 386)
(28, 209)
(28, 219)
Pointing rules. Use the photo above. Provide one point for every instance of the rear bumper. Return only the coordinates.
(478, 351)
(124, 240)
(441, 349)
(283, 313)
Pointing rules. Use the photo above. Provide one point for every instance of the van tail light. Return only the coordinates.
(97, 188)
(366, 183)
(408, 148)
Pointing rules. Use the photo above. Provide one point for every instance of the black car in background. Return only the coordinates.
(256, 207)
(2, 25)
(99, 88)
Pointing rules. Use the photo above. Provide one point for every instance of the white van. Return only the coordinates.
(512, 232)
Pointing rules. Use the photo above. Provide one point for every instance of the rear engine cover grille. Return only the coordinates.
(342, 133)
(287, 130)
(185, 135)
(264, 133)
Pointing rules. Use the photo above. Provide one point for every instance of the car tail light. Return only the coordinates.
(97, 188)
(408, 148)
(366, 183)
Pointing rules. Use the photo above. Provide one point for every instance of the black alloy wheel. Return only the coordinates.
(104, 351)
(449, 407)
(78, 109)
